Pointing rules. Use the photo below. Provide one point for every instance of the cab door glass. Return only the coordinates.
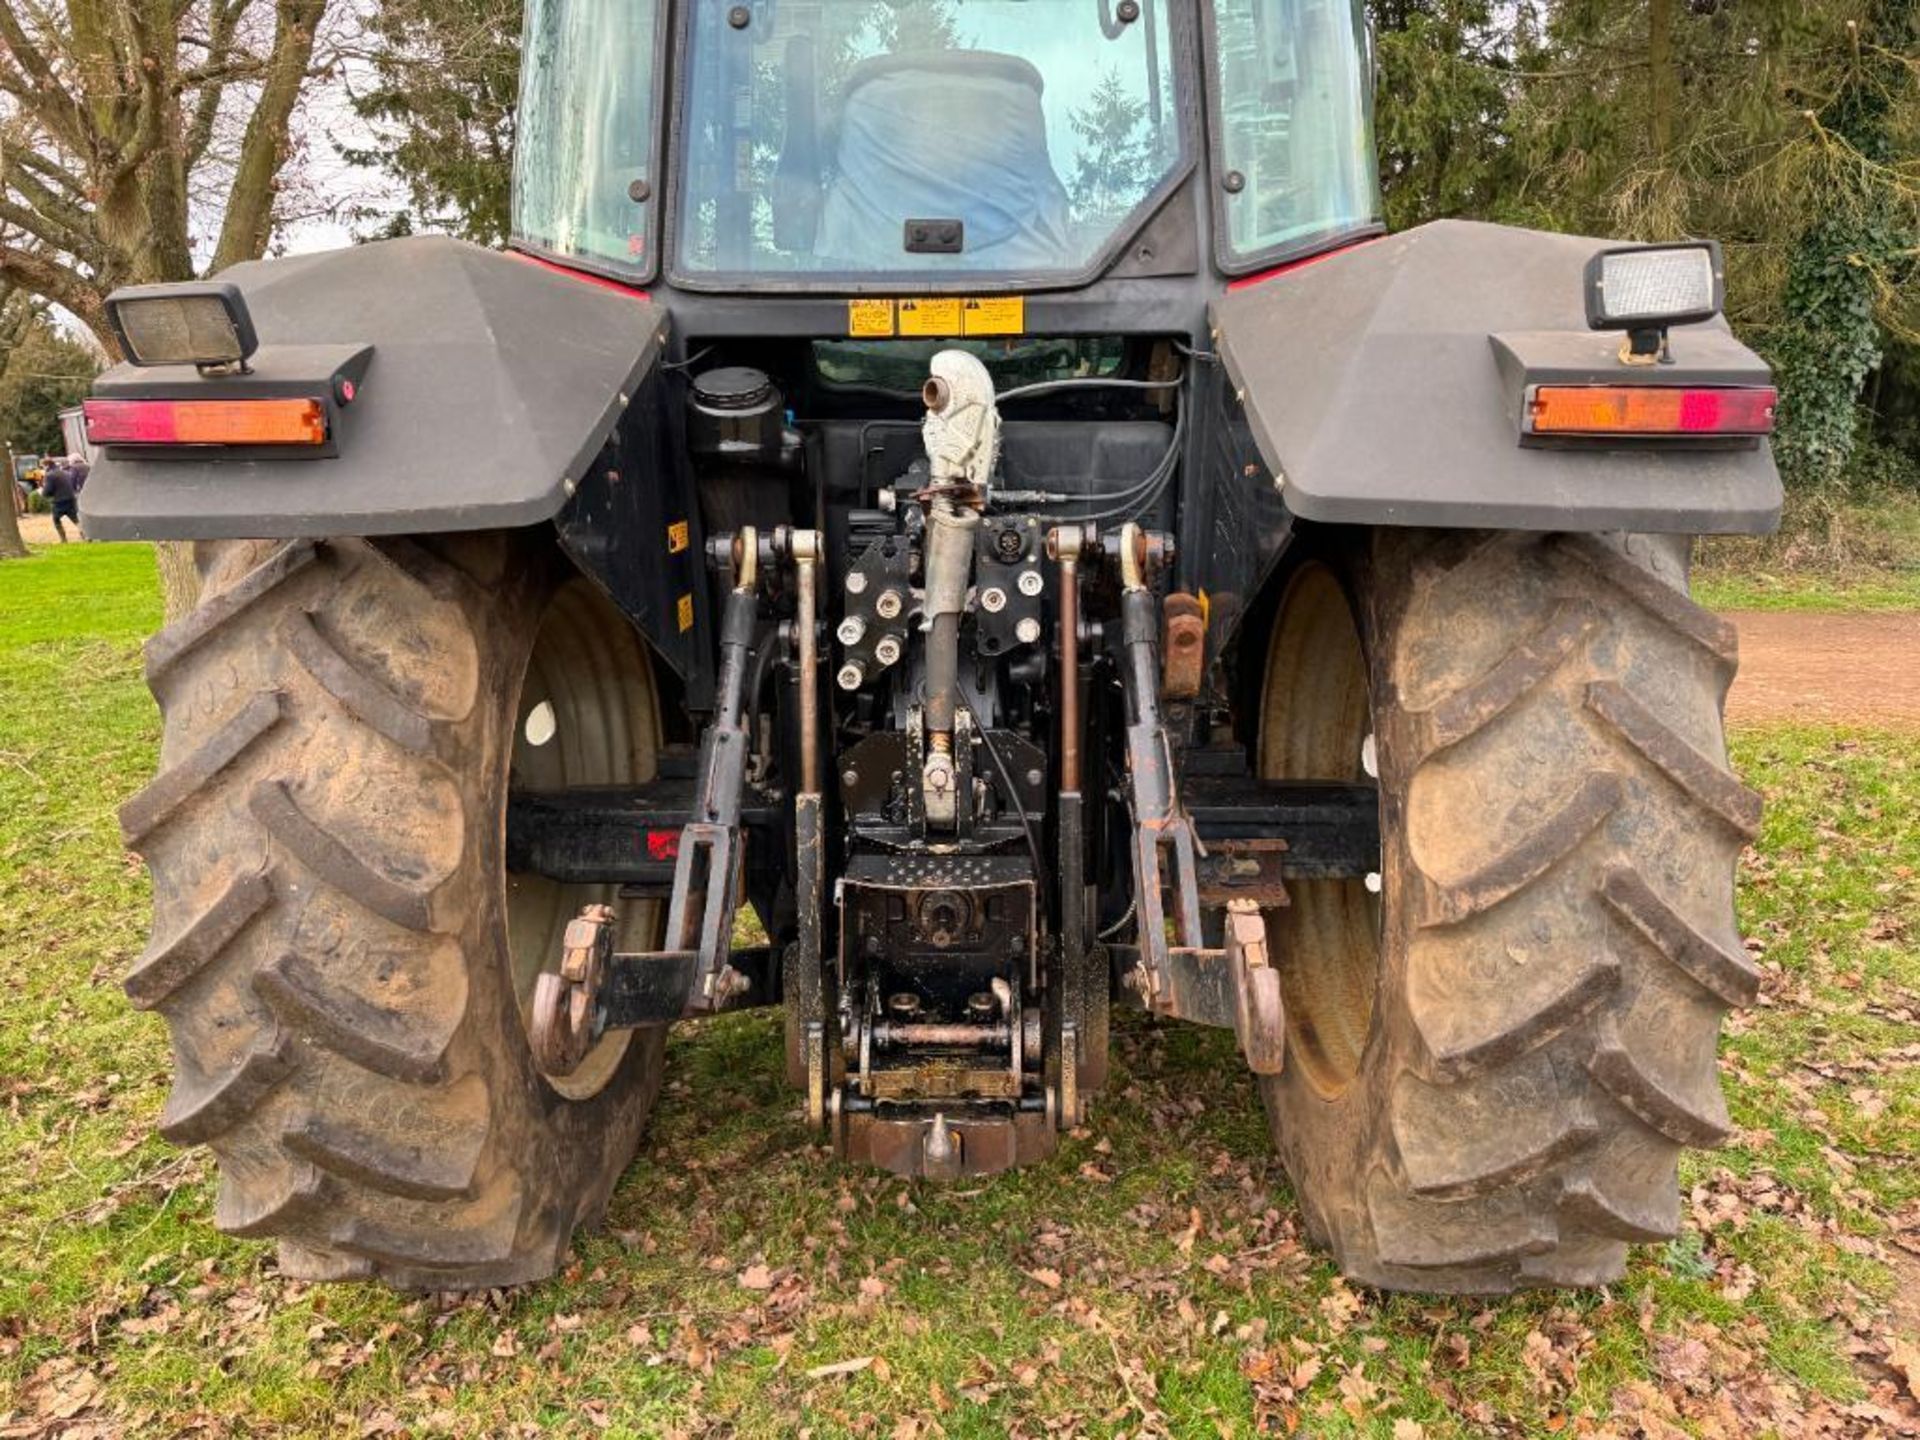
(1293, 123)
(583, 182)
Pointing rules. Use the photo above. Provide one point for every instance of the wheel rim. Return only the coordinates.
(585, 715)
(1316, 723)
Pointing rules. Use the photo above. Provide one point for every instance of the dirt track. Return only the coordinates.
(1854, 669)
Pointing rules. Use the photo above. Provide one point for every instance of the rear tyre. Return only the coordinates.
(340, 955)
(1497, 1051)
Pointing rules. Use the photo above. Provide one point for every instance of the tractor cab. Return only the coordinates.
(814, 146)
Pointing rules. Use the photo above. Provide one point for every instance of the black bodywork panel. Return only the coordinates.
(1372, 385)
(494, 381)
(632, 524)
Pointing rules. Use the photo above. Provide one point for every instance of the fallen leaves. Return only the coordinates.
(1903, 1358)
(841, 1367)
(755, 1277)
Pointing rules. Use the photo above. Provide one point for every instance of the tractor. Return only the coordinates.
(948, 516)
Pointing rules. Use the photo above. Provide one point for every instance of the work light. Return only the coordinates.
(1643, 289)
(203, 323)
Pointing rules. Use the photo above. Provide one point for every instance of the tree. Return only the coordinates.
(1787, 130)
(1114, 163)
(42, 372)
(1444, 91)
(127, 125)
(14, 316)
(1851, 270)
(442, 106)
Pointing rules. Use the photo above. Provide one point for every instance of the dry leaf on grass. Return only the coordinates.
(1905, 1359)
(840, 1367)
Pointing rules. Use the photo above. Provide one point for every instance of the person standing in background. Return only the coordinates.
(63, 497)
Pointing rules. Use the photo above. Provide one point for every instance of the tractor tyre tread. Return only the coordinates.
(325, 918)
(1564, 948)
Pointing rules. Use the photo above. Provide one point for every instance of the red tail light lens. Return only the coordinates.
(1651, 410)
(206, 422)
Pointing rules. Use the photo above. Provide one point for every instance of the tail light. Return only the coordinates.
(1650, 410)
(290, 422)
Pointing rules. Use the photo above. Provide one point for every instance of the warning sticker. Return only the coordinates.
(936, 315)
(994, 315)
(930, 317)
(677, 538)
(870, 319)
(683, 611)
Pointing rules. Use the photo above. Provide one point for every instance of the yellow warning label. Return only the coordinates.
(994, 315)
(930, 317)
(677, 538)
(684, 612)
(870, 319)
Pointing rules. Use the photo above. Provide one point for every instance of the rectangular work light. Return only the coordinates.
(1650, 410)
(294, 422)
(1649, 287)
(204, 323)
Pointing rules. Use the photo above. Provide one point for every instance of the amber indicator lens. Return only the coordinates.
(206, 422)
(1651, 410)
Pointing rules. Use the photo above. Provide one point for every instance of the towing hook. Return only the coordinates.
(566, 1001)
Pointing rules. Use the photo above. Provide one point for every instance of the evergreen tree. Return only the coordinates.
(1114, 160)
(445, 75)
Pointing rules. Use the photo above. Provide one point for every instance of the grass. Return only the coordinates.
(1829, 555)
(1153, 1279)
(1809, 590)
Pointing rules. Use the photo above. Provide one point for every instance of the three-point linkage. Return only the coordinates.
(595, 989)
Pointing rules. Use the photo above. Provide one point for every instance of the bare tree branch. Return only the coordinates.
(249, 218)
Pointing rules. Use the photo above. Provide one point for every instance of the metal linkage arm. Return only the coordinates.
(570, 1008)
(1232, 985)
(706, 877)
(1083, 1003)
(1164, 848)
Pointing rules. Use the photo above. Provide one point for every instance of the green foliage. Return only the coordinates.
(42, 372)
(1443, 110)
(1790, 131)
(1848, 266)
(1828, 344)
(442, 103)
